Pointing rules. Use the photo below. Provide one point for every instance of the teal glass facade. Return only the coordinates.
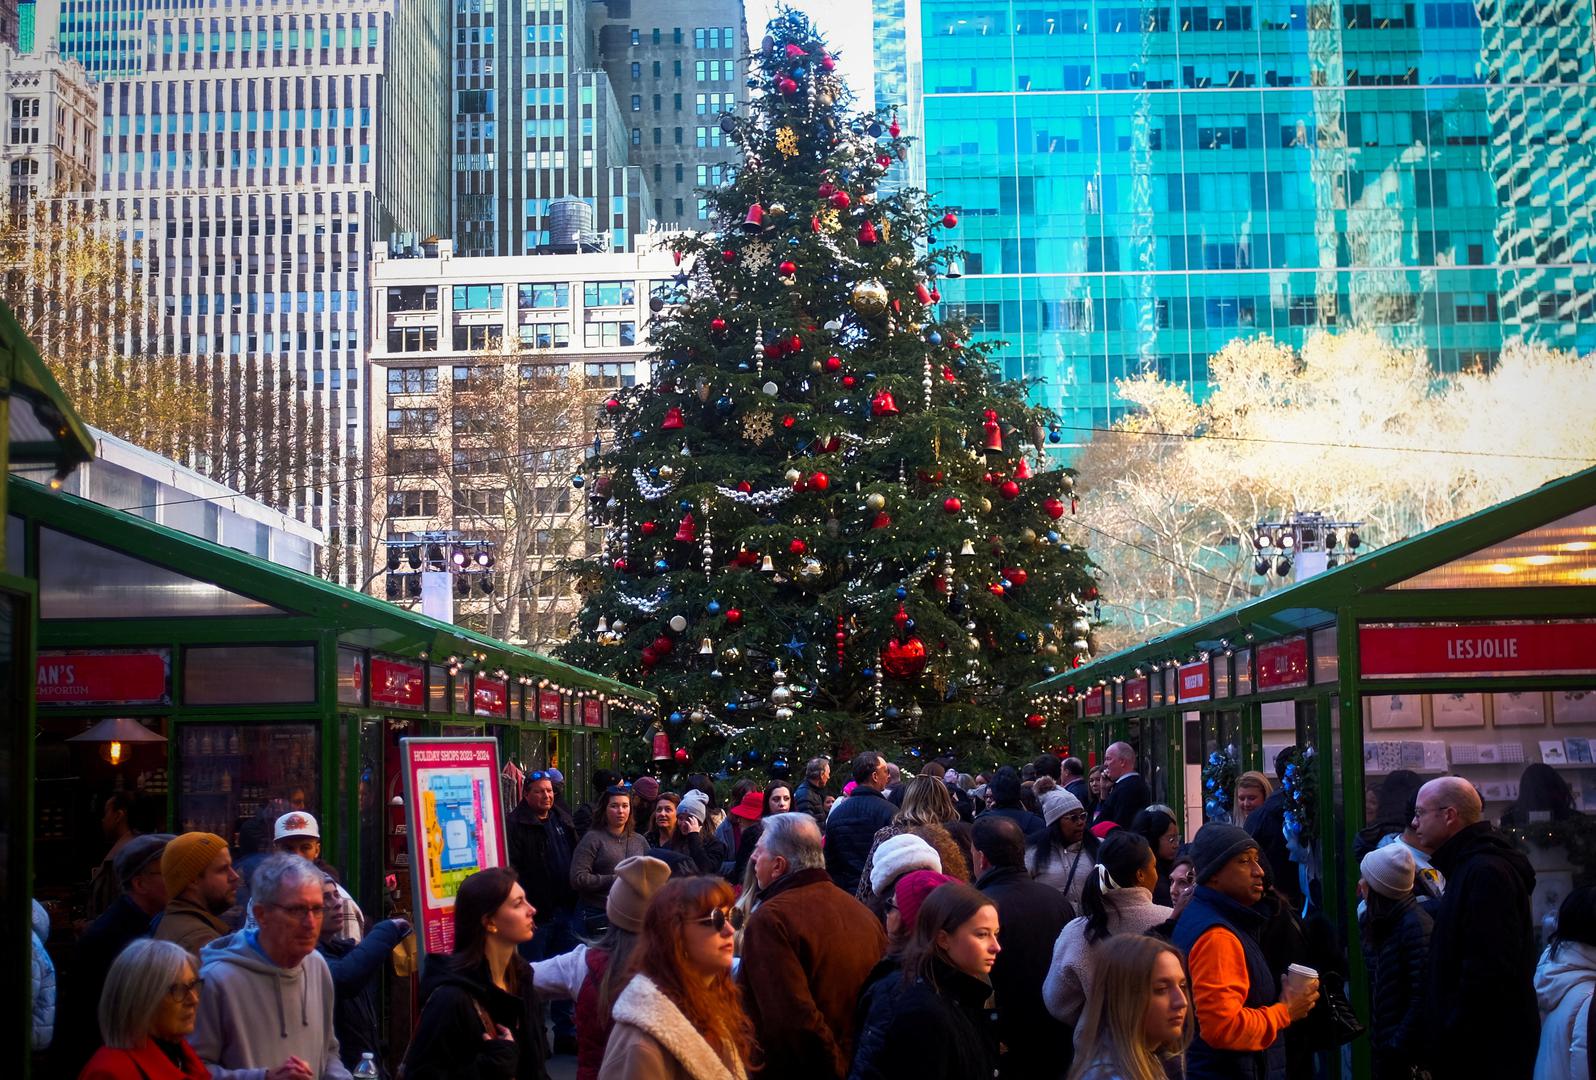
(1140, 184)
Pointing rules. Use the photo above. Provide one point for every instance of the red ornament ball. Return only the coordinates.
(882, 520)
(840, 200)
(728, 255)
(820, 481)
(1009, 489)
(996, 588)
(796, 342)
(620, 564)
(788, 269)
(744, 486)
(950, 219)
(786, 85)
(833, 363)
(1035, 720)
(952, 504)
(904, 659)
(612, 404)
(649, 528)
(681, 753)
(826, 62)
(650, 657)
(786, 421)
(1054, 508)
(1017, 575)
(664, 645)
(849, 381)
(734, 616)
(797, 547)
(718, 325)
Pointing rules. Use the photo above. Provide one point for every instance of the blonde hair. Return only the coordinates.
(926, 801)
(140, 979)
(1112, 1039)
(1257, 780)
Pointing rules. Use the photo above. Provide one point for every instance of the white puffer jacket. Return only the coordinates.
(1563, 988)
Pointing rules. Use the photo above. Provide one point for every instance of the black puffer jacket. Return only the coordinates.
(850, 831)
(1396, 948)
(937, 1028)
(356, 967)
(1482, 1016)
(448, 1043)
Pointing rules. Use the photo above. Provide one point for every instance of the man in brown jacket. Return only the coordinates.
(807, 950)
(201, 884)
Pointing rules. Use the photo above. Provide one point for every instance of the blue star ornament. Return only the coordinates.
(795, 646)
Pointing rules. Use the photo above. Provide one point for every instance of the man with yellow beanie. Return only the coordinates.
(201, 885)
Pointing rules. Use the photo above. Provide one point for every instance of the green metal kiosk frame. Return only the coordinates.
(1483, 630)
(262, 662)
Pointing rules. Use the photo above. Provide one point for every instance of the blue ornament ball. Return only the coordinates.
(868, 673)
(779, 763)
(891, 712)
(636, 435)
(1022, 636)
(578, 480)
(902, 592)
(752, 755)
(799, 72)
(713, 607)
(653, 474)
(908, 625)
(1052, 536)
(1055, 436)
(934, 338)
(676, 718)
(731, 706)
(685, 505)
(661, 565)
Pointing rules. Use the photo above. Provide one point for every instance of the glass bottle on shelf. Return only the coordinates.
(232, 742)
(207, 744)
(226, 783)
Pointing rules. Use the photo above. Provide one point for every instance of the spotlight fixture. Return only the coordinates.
(1283, 566)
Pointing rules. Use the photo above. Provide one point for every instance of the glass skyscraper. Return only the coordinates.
(1138, 184)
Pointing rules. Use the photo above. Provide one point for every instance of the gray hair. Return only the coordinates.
(816, 767)
(278, 873)
(140, 978)
(796, 838)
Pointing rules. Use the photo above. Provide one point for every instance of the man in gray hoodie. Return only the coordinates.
(267, 1009)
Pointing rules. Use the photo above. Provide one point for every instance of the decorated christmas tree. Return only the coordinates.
(827, 524)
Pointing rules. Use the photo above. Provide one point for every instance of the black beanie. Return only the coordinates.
(1005, 786)
(1215, 845)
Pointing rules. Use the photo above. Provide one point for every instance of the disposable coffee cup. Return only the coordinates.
(1303, 971)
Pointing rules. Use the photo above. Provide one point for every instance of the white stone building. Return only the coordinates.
(557, 334)
(52, 126)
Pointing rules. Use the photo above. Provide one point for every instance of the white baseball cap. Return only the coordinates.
(296, 823)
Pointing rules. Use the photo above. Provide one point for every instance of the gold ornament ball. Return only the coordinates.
(1028, 535)
(731, 654)
(793, 476)
(666, 472)
(869, 298)
(776, 210)
(986, 505)
(876, 501)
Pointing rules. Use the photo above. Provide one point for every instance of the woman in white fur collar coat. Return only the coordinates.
(681, 1017)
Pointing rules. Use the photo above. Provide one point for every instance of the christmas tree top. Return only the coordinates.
(827, 523)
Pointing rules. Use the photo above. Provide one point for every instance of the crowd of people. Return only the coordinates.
(1040, 921)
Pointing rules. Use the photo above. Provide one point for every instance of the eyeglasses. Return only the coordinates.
(180, 992)
(300, 912)
(719, 918)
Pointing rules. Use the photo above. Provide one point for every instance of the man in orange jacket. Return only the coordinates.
(1240, 1012)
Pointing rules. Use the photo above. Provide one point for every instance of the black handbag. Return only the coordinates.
(1332, 1022)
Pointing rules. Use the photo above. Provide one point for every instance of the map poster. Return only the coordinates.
(455, 826)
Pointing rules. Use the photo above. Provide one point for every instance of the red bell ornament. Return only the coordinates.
(687, 531)
(673, 419)
(794, 51)
(994, 433)
(921, 293)
(1022, 471)
(755, 221)
(868, 235)
(883, 405)
(893, 129)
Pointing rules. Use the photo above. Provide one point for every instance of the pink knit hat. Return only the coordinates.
(913, 888)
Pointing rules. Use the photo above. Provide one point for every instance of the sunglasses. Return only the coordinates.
(541, 774)
(718, 919)
(618, 789)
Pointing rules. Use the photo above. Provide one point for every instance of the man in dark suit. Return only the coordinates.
(1130, 795)
(1031, 915)
(1073, 777)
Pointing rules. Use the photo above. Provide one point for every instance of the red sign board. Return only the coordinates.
(1425, 650)
(592, 712)
(1135, 693)
(549, 707)
(103, 678)
(490, 697)
(1193, 682)
(1094, 702)
(397, 684)
(1282, 664)
(454, 822)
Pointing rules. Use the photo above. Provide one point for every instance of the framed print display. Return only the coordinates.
(1518, 709)
(1457, 710)
(1394, 712)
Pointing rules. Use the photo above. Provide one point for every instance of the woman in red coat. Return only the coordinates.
(147, 1012)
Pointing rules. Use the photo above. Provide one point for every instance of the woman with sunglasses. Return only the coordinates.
(611, 839)
(147, 1011)
(681, 1017)
(1064, 856)
(939, 1025)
